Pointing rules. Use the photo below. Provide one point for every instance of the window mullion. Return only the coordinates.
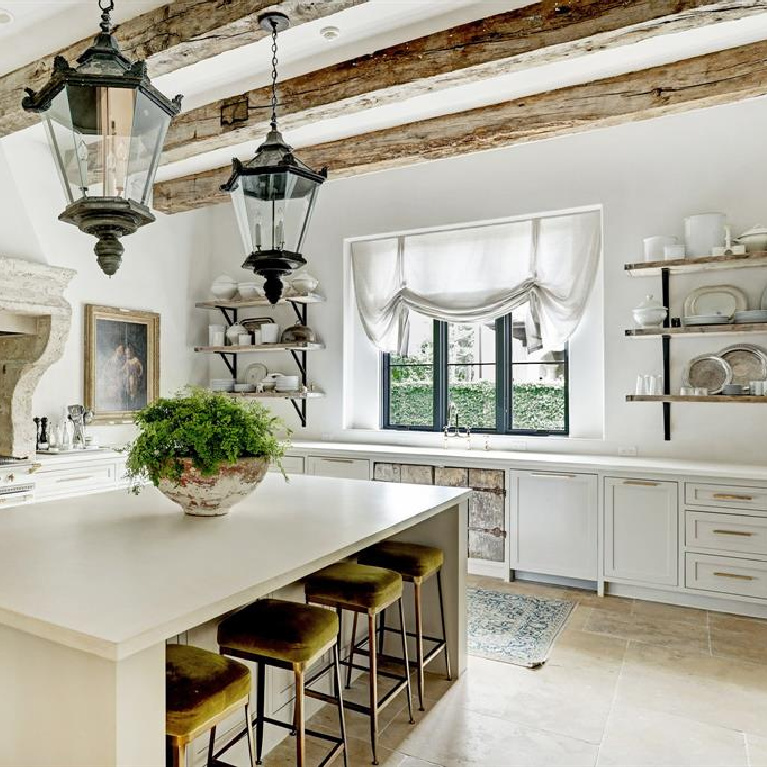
(502, 371)
(440, 374)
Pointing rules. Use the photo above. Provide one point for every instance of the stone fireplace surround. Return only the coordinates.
(29, 289)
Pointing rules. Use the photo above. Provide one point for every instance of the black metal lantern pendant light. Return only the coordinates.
(273, 194)
(106, 125)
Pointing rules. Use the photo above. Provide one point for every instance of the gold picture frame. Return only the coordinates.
(122, 361)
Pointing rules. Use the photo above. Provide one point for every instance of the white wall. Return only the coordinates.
(647, 176)
(162, 266)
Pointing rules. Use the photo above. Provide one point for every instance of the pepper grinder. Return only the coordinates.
(42, 443)
(37, 433)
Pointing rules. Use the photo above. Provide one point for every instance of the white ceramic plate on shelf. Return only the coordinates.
(715, 299)
(763, 301)
(707, 319)
(255, 373)
(753, 315)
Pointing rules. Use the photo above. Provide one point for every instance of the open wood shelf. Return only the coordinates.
(696, 398)
(251, 303)
(702, 264)
(278, 395)
(699, 330)
(260, 348)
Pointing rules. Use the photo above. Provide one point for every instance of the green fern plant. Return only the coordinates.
(211, 429)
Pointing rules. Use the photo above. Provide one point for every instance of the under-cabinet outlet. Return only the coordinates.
(627, 450)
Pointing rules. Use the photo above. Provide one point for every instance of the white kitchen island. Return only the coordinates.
(92, 587)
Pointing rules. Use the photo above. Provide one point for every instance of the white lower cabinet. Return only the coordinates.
(293, 464)
(726, 575)
(554, 524)
(641, 531)
(345, 468)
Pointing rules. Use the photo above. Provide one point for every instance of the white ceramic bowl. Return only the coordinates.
(249, 290)
(242, 388)
(223, 290)
(754, 242)
(650, 317)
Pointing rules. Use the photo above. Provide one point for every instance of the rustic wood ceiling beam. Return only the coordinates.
(716, 78)
(523, 38)
(173, 36)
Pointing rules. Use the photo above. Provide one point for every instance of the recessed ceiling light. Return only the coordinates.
(6, 17)
(330, 33)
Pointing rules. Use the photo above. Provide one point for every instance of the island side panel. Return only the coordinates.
(449, 531)
(64, 707)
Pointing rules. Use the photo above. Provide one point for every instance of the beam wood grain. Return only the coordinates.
(717, 78)
(173, 36)
(523, 38)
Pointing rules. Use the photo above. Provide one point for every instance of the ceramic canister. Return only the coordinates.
(703, 232)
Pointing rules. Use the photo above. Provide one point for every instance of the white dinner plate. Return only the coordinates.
(715, 299)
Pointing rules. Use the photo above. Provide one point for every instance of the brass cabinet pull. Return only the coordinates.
(546, 475)
(736, 576)
(338, 460)
(640, 482)
(34, 467)
(732, 497)
(742, 533)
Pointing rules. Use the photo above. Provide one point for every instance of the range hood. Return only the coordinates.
(34, 325)
(13, 324)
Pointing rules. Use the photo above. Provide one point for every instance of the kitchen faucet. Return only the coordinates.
(453, 429)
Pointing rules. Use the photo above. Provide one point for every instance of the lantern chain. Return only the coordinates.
(274, 75)
(106, 20)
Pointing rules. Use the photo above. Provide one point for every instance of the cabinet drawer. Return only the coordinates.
(75, 480)
(346, 468)
(726, 575)
(293, 464)
(726, 532)
(726, 496)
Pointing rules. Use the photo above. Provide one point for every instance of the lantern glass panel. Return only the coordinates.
(150, 124)
(273, 210)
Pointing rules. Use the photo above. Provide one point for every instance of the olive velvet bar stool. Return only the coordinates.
(292, 636)
(201, 689)
(416, 564)
(367, 590)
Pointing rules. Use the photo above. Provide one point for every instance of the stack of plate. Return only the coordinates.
(753, 315)
(286, 383)
(708, 319)
(222, 384)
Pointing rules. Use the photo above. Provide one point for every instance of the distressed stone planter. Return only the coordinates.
(213, 496)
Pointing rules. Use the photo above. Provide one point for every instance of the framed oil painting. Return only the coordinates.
(122, 361)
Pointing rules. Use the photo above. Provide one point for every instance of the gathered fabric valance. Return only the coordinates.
(479, 274)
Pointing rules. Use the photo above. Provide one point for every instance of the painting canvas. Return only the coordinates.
(121, 361)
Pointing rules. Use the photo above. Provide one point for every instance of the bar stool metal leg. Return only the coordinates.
(298, 675)
(341, 719)
(260, 684)
(211, 745)
(448, 673)
(419, 640)
(373, 685)
(351, 654)
(403, 631)
(249, 728)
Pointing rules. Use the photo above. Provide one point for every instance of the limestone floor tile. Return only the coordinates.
(736, 637)
(567, 700)
(454, 736)
(578, 648)
(650, 630)
(660, 611)
(643, 738)
(757, 750)
(359, 754)
(410, 761)
(718, 691)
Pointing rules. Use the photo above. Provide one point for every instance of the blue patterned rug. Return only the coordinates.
(515, 628)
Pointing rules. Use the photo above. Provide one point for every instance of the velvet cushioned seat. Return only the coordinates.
(200, 685)
(287, 631)
(354, 586)
(409, 559)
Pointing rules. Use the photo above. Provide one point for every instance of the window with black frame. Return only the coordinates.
(484, 370)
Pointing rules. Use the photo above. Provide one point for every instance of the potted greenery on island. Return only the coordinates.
(206, 451)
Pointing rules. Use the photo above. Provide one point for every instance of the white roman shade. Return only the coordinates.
(477, 274)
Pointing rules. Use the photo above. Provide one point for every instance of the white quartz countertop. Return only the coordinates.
(528, 459)
(114, 573)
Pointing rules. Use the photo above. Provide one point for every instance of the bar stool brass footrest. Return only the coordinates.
(439, 646)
